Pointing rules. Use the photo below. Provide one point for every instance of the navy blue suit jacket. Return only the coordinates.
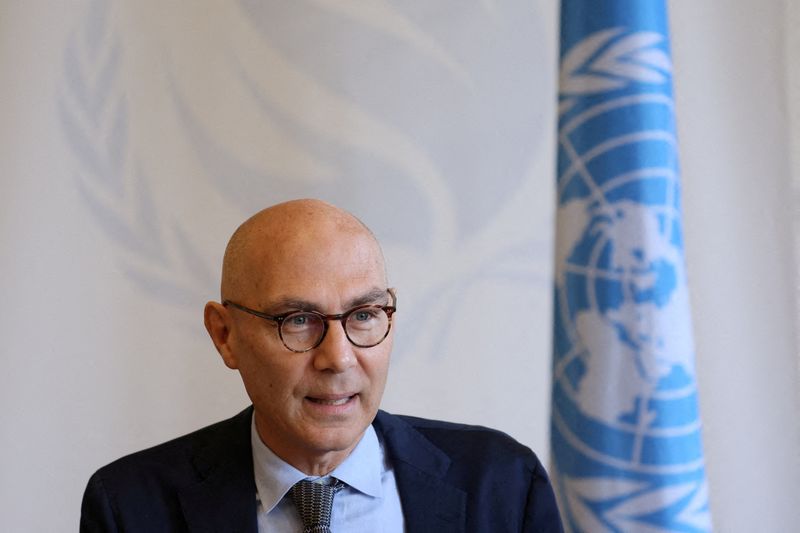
(451, 478)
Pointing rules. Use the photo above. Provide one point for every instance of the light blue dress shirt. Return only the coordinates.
(369, 502)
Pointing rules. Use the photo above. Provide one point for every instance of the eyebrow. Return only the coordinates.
(373, 296)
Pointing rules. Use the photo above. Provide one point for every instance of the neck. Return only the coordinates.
(315, 465)
(310, 461)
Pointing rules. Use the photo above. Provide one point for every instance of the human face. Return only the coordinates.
(312, 408)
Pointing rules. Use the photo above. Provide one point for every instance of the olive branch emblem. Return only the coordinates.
(614, 504)
(158, 255)
(609, 60)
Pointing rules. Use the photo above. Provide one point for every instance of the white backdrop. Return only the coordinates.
(137, 135)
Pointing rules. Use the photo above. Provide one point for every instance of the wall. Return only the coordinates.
(733, 125)
(791, 38)
(137, 135)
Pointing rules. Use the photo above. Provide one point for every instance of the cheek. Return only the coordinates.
(386, 351)
(263, 371)
(377, 368)
(270, 387)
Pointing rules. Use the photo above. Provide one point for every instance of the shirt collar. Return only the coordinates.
(364, 467)
(274, 477)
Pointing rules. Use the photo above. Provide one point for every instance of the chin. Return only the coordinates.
(336, 440)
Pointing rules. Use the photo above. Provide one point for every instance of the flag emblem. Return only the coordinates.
(625, 429)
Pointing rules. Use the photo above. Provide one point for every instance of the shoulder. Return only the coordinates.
(471, 447)
(177, 457)
(141, 491)
(504, 484)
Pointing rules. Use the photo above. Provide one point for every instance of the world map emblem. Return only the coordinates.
(626, 429)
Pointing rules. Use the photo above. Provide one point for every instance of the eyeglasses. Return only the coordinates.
(300, 331)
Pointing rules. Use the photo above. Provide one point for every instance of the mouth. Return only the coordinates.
(331, 400)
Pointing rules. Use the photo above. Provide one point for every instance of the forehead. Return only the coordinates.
(322, 264)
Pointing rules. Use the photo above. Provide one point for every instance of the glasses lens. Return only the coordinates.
(367, 326)
(301, 331)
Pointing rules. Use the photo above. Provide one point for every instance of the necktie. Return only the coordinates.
(313, 502)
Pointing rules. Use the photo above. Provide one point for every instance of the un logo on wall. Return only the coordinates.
(626, 429)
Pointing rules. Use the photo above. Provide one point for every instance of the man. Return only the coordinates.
(306, 318)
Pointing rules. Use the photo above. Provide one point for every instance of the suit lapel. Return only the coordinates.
(429, 503)
(224, 498)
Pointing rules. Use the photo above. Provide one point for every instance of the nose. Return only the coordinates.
(335, 353)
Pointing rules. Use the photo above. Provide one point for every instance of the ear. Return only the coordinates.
(218, 324)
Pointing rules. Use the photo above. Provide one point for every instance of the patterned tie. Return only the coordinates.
(313, 502)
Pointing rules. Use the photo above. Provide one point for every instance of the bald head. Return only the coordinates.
(284, 231)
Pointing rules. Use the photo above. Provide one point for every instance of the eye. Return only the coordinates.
(365, 315)
(365, 319)
(299, 322)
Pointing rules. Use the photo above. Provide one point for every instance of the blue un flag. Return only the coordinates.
(626, 441)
